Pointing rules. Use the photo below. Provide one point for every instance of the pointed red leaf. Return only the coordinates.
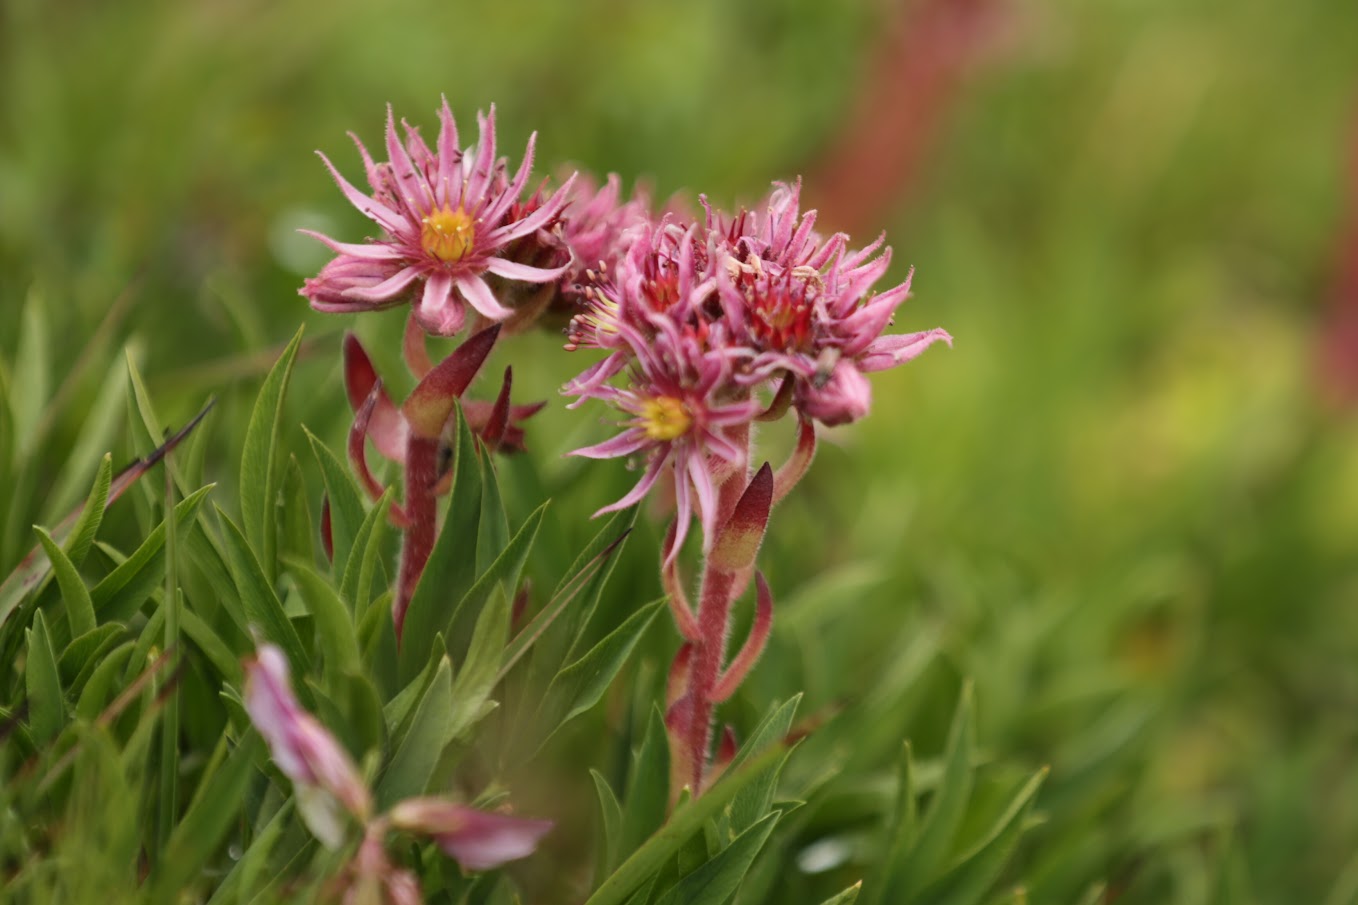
(739, 539)
(386, 424)
(494, 431)
(795, 468)
(428, 407)
(754, 645)
(327, 531)
(414, 348)
(358, 435)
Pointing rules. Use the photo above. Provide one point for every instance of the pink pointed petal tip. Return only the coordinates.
(429, 405)
(889, 351)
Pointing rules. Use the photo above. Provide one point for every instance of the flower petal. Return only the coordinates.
(512, 270)
(479, 296)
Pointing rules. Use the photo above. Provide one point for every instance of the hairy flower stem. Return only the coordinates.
(720, 588)
(421, 475)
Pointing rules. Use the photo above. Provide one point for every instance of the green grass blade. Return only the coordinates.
(259, 467)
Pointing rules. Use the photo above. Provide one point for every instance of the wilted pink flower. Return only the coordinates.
(321, 771)
(448, 216)
(478, 840)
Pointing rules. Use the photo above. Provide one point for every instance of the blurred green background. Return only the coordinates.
(1121, 503)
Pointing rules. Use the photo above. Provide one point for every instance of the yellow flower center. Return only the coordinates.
(665, 418)
(447, 234)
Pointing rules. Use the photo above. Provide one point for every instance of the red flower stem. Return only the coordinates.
(719, 590)
(421, 475)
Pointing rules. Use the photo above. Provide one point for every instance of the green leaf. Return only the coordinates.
(79, 608)
(42, 680)
(298, 537)
(580, 685)
(752, 804)
(939, 825)
(452, 564)
(976, 870)
(30, 388)
(847, 897)
(493, 534)
(904, 825)
(356, 586)
(610, 815)
(334, 624)
(259, 471)
(648, 787)
(95, 438)
(568, 591)
(476, 679)
(239, 884)
(224, 662)
(122, 591)
(430, 732)
(84, 648)
(198, 835)
(686, 820)
(346, 505)
(81, 538)
(717, 880)
(574, 625)
(262, 606)
(503, 574)
(397, 710)
(104, 682)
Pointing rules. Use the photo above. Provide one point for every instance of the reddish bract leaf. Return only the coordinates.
(498, 421)
(677, 682)
(674, 588)
(358, 433)
(754, 645)
(386, 425)
(414, 347)
(739, 539)
(429, 405)
(795, 468)
(327, 532)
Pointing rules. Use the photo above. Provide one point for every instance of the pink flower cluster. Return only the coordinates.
(724, 320)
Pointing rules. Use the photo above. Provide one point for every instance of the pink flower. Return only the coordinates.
(804, 309)
(599, 227)
(681, 421)
(321, 771)
(448, 217)
(475, 839)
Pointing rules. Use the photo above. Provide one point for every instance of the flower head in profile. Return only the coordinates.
(450, 218)
(325, 778)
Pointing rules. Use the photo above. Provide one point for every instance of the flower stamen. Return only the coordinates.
(447, 234)
(665, 418)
